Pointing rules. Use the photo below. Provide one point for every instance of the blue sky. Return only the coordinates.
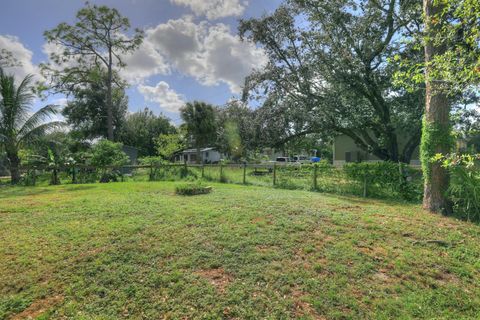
(191, 51)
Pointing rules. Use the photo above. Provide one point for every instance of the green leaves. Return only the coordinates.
(464, 190)
(199, 118)
(106, 153)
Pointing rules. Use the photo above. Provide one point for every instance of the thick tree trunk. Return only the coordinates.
(109, 101)
(14, 167)
(437, 115)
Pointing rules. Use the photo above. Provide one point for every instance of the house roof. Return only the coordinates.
(195, 150)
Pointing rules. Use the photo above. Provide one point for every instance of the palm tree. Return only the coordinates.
(18, 126)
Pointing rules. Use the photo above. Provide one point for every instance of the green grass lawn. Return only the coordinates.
(136, 250)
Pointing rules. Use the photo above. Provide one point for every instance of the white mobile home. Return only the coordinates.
(207, 155)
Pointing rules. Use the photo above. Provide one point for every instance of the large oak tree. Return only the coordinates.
(330, 70)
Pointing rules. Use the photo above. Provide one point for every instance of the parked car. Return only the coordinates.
(286, 161)
(301, 159)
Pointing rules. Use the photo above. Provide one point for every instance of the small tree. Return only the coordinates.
(105, 155)
(168, 144)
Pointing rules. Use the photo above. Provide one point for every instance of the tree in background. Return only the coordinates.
(200, 124)
(87, 112)
(18, 127)
(331, 73)
(96, 41)
(7, 59)
(237, 131)
(168, 144)
(141, 128)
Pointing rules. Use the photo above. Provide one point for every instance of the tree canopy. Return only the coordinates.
(141, 128)
(200, 124)
(96, 41)
(329, 70)
(87, 112)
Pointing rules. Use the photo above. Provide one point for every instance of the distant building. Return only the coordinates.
(132, 154)
(345, 150)
(207, 155)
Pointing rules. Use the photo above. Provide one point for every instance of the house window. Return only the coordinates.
(206, 154)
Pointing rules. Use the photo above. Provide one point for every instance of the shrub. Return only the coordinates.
(396, 177)
(107, 155)
(191, 189)
(464, 190)
(161, 170)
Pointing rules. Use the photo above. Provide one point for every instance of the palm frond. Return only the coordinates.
(37, 118)
(23, 100)
(39, 131)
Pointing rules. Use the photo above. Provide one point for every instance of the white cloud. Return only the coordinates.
(143, 63)
(214, 9)
(209, 53)
(162, 94)
(22, 55)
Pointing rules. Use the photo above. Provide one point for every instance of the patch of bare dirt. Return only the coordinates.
(302, 307)
(347, 208)
(267, 219)
(90, 253)
(39, 307)
(263, 248)
(376, 252)
(217, 278)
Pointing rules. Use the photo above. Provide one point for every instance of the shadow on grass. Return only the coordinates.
(13, 191)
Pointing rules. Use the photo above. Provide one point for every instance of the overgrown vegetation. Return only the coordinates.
(402, 180)
(464, 190)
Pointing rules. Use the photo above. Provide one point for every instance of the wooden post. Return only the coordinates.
(244, 173)
(74, 176)
(365, 186)
(274, 174)
(221, 172)
(315, 172)
(34, 176)
(203, 170)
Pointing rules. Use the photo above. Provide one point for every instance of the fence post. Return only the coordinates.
(221, 172)
(274, 174)
(315, 172)
(74, 176)
(365, 186)
(203, 170)
(34, 176)
(244, 172)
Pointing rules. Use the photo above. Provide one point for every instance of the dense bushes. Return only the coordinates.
(464, 190)
(398, 178)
